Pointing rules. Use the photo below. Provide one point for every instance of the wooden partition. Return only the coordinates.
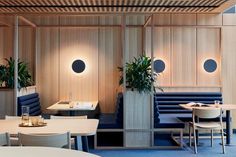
(179, 40)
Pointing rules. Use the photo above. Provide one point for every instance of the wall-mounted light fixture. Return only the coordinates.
(210, 65)
(78, 66)
(159, 66)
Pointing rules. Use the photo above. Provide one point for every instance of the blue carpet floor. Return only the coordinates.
(203, 151)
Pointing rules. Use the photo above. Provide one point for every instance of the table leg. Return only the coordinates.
(76, 142)
(85, 146)
(228, 127)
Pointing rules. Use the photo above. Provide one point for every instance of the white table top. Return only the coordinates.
(223, 106)
(83, 127)
(74, 106)
(41, 152)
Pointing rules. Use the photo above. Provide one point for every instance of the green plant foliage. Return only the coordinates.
(7, 74)
(139, 75)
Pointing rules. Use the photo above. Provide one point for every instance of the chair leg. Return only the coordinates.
(211, 137)
(190, 137)
(181, 138)
(195, 140)
(222, 140)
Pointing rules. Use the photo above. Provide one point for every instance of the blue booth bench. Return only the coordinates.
(32, 101)
(168, 115)
(167, 103)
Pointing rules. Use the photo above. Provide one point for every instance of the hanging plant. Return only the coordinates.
(7, 74)
(139, 75)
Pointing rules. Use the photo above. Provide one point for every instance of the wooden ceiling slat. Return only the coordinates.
(68, 6)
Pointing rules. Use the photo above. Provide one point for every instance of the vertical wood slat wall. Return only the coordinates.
(48, 45)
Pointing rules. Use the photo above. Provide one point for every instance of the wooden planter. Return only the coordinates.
(27, 91)
(137, 119)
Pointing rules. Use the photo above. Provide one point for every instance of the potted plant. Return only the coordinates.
(139, 76)
(7, 74)
(137, 101)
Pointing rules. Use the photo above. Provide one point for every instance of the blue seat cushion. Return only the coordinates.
(169, 121)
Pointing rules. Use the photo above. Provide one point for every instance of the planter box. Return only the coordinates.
(26, 91)
(137, 121)
(6, 102)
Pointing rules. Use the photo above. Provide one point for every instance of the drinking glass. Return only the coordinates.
(25, 114)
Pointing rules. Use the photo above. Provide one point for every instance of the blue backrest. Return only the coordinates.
(31, 100)
(119, 109)
(168, 102)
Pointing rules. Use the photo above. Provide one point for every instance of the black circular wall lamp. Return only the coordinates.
(159, 66)
(78, 66)
(210, 65)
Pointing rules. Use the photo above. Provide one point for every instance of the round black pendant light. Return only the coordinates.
(159, 66)
(210, 65)
(78, 66)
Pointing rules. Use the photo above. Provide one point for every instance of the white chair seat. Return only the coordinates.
(207, 125)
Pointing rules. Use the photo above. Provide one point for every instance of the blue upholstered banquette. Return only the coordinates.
(168, 113)
(113, 120)
(31, 100)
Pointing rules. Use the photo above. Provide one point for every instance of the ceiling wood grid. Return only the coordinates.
(109, 6)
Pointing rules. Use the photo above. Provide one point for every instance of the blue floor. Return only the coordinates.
(203, 151)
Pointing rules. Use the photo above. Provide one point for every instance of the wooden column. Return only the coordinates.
(123, 26)
(16, 52)
(152, 95)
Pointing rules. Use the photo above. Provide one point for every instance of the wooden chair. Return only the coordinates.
(76, 139)
(52, 140)
(4, 139)
(68, 117)
(13, 139)
(206, 113)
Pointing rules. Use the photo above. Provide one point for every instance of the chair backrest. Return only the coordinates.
(51, 140)
(68, 117)
(207, 113)
(4, 139)
(12, 117)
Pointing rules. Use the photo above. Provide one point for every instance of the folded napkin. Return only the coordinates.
(84, 105)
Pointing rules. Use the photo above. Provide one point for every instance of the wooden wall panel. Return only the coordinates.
(183, 19)
(135, 20)
(6, 42)
(209, 19)
(133, 43)
(229, 19)
(79, 20)
(47, 69)
(208, 47)
(110, 20)
(184, 56)
(229, 67)
(27, 47)
(79, 43)
(162, 50)
(109, 60)
(162, 19)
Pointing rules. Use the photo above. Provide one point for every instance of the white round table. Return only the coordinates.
(41, 152)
